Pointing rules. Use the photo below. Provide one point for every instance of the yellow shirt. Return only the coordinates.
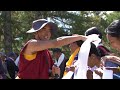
(30, 57)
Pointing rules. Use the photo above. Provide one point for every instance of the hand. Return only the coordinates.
(114, 59)
(98, 72)
(55, 70)
(89, 74)
(67, 69)
(72, 68)
(106, 58)
(81, 36)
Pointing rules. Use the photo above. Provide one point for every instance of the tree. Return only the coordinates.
(7, 31)
(16, 23)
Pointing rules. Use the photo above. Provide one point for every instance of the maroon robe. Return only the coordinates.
(37, 68)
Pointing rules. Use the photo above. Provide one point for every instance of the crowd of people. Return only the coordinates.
(89, 58)
(8, 68)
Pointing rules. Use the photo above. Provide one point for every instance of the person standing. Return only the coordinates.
(113, 37)
(11, 66)
(60, 60)
(3, 66)
(102, 49)
(35, 59)
(2, 72)
(74, 48)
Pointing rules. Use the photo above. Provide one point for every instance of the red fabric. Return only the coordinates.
(103, 49)
(37, 68)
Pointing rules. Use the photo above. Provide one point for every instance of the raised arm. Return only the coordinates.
(39, 45)
(114, 59)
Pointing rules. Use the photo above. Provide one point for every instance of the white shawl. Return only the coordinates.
(60, 60)
(81, 65)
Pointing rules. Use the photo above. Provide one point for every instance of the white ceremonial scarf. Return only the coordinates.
(96, 76)
(107, 74)
(82, 62)
(96, 41)
(68, 75)
(93, 68)
(60, 60)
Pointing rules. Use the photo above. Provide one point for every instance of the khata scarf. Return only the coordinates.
(60, 60)
(82, 62)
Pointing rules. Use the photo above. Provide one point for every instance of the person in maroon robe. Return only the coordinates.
(35, 59)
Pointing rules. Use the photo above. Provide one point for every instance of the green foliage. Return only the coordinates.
(69, 23)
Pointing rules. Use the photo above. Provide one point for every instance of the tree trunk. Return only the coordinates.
(7, 31)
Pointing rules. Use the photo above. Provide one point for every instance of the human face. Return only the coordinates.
(114, 42)
(56, 55)
(44, 33)
(73, 46)
(93, 60)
